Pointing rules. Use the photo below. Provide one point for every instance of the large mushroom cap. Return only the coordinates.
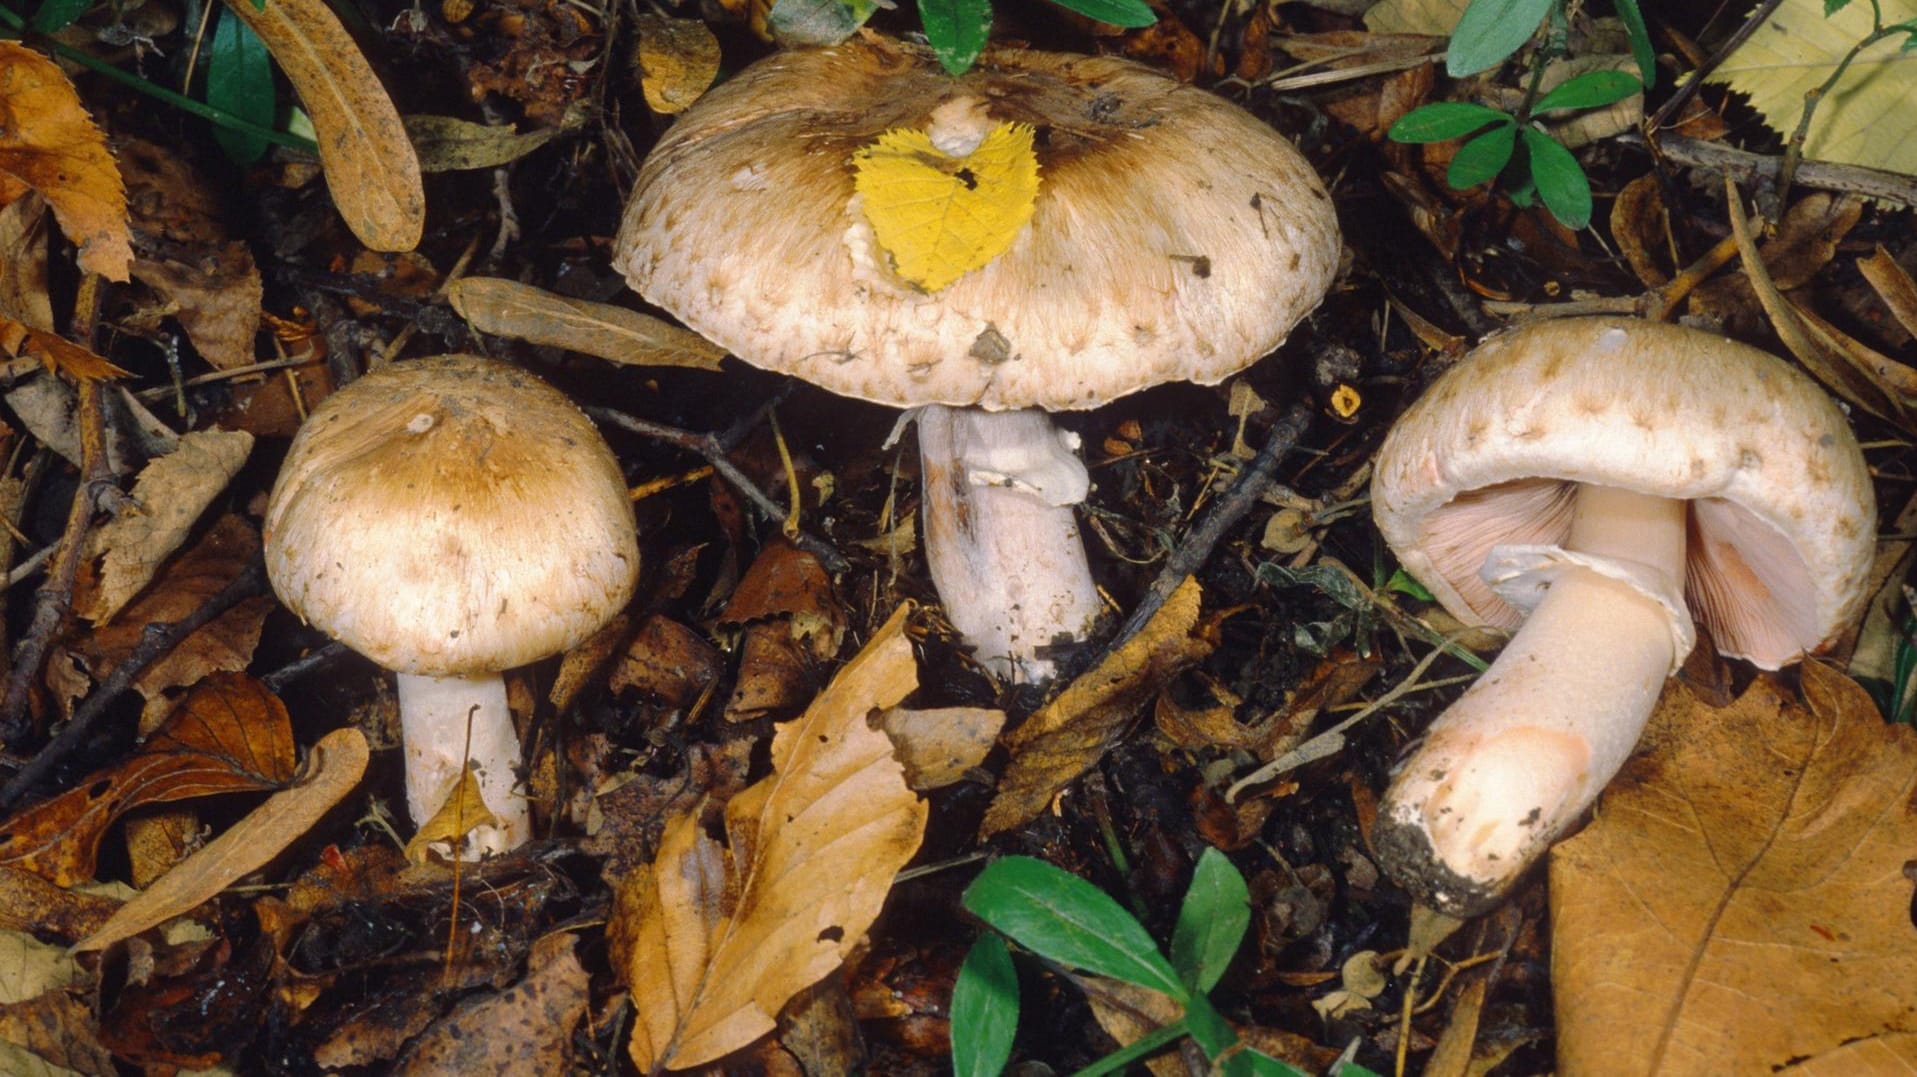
(1175, 236)
(451, 516)
(1782, 518)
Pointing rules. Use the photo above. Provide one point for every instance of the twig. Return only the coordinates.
(1197, 545)
(156, 640)
(54, 599)
(301, 666)
(1689, 88)
(713, 449)
(1794, 149)
(1748, 167)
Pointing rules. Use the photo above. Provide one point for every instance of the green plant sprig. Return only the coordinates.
(1068, 921)
(1488, 33)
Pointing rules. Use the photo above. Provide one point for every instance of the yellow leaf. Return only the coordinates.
(463, 812)
(714, 940)
(678, 59)
(1741, 902)
(1869, 118)
(941, 217)
(48, 143)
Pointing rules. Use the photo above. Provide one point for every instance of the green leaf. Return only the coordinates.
(1593, 89)
(984, 1009)
(1141, 1048)
(1640, 35)
(1482, 158)
(1832, 7)
(1211, 922)
(1489, 31)
(1211, 1032)
(1560, 179)
(239, 80)
(1352, 1069)
(1406, 584)
(956, 30)
(1444, 121)
(1131, 14)
(52, 16)
(1061, 916)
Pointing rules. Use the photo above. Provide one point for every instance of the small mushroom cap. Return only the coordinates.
(1782, 518)
(451, 516)
(1175, 236)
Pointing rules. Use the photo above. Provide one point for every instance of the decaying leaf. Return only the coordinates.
(370, 166)
(55, 352)
(49, 144)
(206, 279)
(229, 735)
(45, 1030)
(168, 497)
(1742, 901)
(1867, 118)
(334, 768)
(714, 939)
(526, 1028)
(940, 217)
(667, 662)
(938, 746)
(450, 144)
(29, 902)
(677, 60)
(1893, 286)
(1065, 738)
(1128, 1012)
(457, 817)
(1436, 18)
(507, 308)
(793, 623)
(23, 250)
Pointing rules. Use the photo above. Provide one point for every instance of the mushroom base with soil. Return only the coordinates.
(1527, 749)
(1001, 540)
(447, 721)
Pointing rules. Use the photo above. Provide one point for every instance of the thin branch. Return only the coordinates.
(1690, 87)
(1748, 168)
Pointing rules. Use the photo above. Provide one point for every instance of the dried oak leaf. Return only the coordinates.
(229, 735)
(1741, 902)
(527, 1028)
(168, 497)
(714, 939)
(49, 144)
(1069, 734)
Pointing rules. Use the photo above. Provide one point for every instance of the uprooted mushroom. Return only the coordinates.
(1595, 484)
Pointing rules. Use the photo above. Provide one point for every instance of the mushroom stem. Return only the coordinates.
(433, 716)
(1001, 541)
(1521, 755)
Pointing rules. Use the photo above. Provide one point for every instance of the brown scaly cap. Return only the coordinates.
(1175, 238)
(451, 516)
(1782, 517)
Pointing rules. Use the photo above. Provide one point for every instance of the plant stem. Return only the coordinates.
(17, 25)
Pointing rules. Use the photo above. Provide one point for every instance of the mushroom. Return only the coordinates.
(1174, 237)
(1611, 478)
(450, 518)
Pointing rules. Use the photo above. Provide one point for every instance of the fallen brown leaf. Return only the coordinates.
(229, 735)
(206, 279)
(168, 497)
(713, 940)
(463, 810)
(332, 771)
(667, 662)
(1893, 286)
(526, 1028)
(677, 60)
(938, 746)
(30, 902)
(370, 166)
(23, 250)
(507, 308)
(1069, 734)
(55, 352)
(49, 144)
(450, 144)
(1741, 902)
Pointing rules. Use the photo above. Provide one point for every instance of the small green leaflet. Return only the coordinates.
(1211, 922)
(1444, 121)
(239, 81)
(1482, 158)
(1640, 35)
(1593, 89)
(1055, 913)
(1489, 31)
(1131, 14)
(52, 16)
(956, 30)
(1560, 179)
(985, 1005)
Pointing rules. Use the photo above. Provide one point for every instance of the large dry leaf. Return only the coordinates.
(714, 940)
(1065, 738)
(229, 735)
(168, 497)
(508, 308)
(450, 144)
(45, 1031)
(54, 352)
(49, 144)
(1741, 902)
(677, 60)
(1869, 118)
(334, 768)
(370, 165)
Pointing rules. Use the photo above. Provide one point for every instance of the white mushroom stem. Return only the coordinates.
(1001, 541)
(433, 718)
(1513, 764)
